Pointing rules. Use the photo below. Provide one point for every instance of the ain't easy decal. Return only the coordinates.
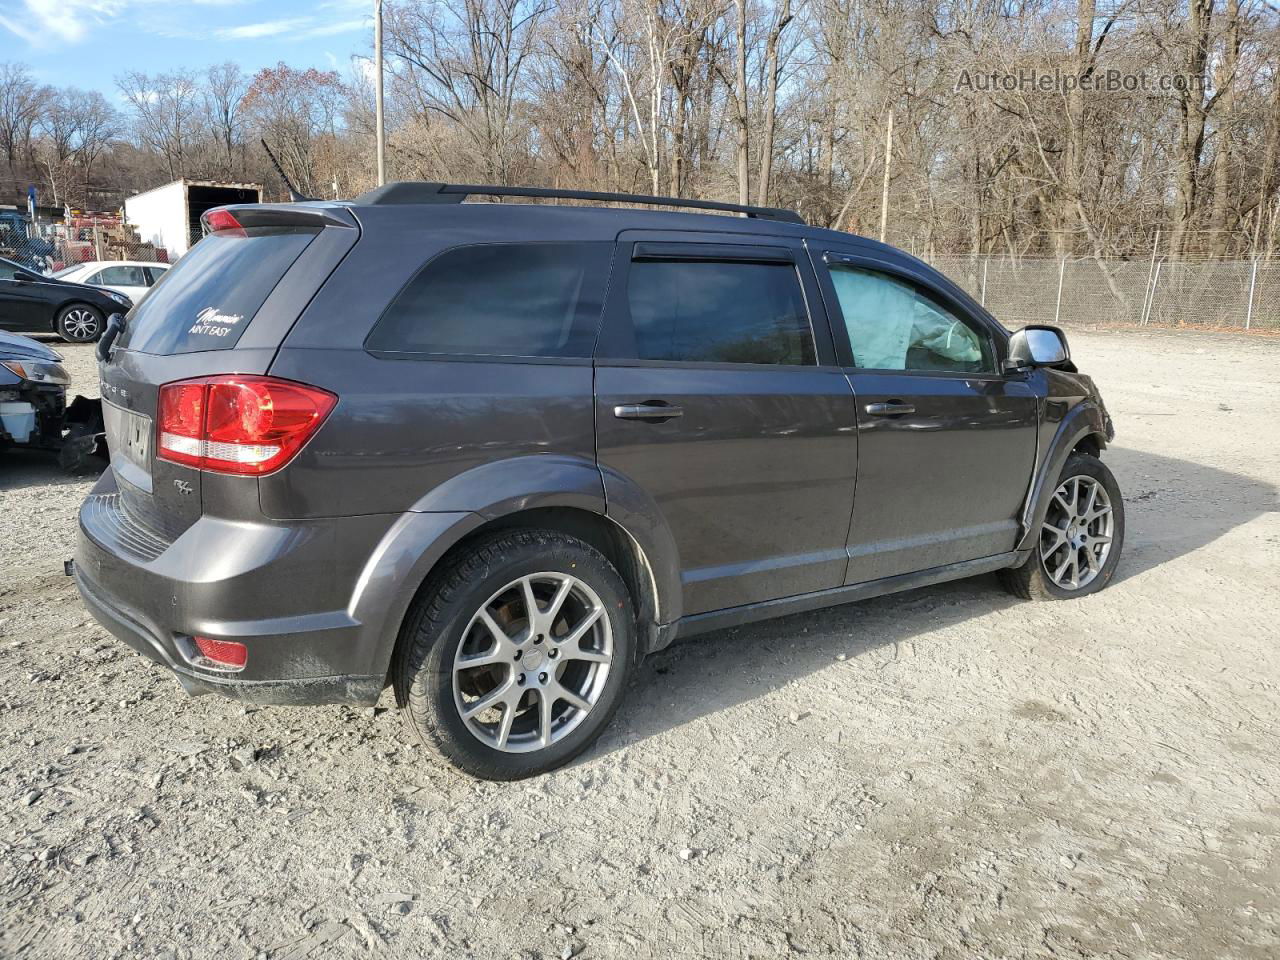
(211, 323)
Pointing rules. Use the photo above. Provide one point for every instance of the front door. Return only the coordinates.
(21, 301)
(718, 396)
(947, 441)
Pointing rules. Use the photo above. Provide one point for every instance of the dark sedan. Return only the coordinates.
(74, 311)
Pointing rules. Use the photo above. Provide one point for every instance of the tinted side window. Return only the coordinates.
(720, 312)
(506, 299)
(894, 326)
(7, 270)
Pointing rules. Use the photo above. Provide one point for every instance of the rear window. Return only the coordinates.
(507, 299)
(210, 296)
(713, 312)
(123, 276)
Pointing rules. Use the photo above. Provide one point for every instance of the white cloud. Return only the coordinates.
(45, 23)
(269, 28)
(51, 24)
(297, 28)
(329, 29)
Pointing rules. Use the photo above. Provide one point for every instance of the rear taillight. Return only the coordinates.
(238, 424)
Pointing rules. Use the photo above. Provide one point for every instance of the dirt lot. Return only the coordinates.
(946, 773)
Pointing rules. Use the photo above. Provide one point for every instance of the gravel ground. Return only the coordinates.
(945, 773)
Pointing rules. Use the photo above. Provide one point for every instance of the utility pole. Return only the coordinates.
(377, 91)
(1151, 275)
(884, 193)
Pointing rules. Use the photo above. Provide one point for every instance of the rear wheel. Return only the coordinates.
(79, 323)
(1080, 538)
(516, 655)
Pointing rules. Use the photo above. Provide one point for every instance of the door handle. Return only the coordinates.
(890, 408)
(646, 411)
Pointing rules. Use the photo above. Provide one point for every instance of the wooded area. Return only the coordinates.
(1000, 143)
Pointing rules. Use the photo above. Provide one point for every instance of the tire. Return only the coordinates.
(434, 685)
(80, 323)
(1047, 573)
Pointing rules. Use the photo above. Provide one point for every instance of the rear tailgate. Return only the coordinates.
(224, 308)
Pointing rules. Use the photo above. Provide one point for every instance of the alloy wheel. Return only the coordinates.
(533, 662)
(80, 323)
(1076, 537)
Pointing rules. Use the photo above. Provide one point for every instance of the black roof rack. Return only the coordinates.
(413, 191)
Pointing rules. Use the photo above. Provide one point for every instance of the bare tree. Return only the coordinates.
(465, 60)
(21, 101)
(779, 102)
(693, 48)
(741, 105)
(98, 126)
(296, 112)
(772, 67)
(1193, 106)
(225, 89)
(165, 110)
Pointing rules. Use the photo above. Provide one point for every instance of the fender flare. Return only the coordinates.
(632, 508)
(420, 537)
(1084, 420)
(500, 487)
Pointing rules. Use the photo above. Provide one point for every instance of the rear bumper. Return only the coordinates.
(154, 645)
(270, 586)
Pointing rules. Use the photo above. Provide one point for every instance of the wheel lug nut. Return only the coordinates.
(517, 654)
(553, 653)
(542, 678)
(538, 638)
(520, 680)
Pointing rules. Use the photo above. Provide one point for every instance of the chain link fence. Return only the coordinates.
(1207, 294)
(51, 247)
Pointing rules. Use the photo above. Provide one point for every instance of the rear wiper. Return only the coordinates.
(115, 327)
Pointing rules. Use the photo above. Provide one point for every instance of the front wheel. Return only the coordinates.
(1080, 538)
(515, 655)
(79, 323)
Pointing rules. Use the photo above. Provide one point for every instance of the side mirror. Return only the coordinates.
(1038, 346)
(22, 276)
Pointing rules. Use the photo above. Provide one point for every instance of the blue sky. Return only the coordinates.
(86, 43)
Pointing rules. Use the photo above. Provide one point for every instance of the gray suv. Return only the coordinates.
(492, 454)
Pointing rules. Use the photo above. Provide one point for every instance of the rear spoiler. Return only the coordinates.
(317, 214)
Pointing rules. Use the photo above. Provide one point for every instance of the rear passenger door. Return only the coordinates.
(718, 396)
(127, 279)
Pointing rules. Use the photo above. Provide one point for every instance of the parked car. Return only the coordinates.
(34, 412)
(133, 278)
(76, 312)
(493, 454)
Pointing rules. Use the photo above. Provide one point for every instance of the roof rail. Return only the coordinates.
(412, 191)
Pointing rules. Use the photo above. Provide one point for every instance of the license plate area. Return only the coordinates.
(129, 438)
